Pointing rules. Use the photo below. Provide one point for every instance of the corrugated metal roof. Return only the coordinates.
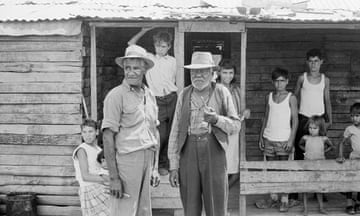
(297, 11)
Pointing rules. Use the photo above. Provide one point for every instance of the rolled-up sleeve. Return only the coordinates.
(230, 123)
(112, 110)
(173, 147)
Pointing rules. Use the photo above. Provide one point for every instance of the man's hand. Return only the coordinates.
(210, 115)
(174, 178)
(116, 188)
(246, 114)
(261, 144)
(340, 159)
(288, 146)
(155, 178)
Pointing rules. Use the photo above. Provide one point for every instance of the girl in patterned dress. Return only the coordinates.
(93, 191)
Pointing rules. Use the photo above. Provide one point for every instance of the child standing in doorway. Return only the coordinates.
(161, 80)
(315, 145)
(352, 136)
(226, 77)
(93, 191)
(279, 127)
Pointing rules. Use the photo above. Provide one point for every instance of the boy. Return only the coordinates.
(352, 136)
(313, 93)
(161, 81)
(279, 127)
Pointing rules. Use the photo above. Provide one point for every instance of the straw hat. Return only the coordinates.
(137, 52)
(201, 60)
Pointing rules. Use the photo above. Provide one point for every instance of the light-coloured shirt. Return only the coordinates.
(353, 133)
(93, 166)
(230, 123)
(132, 116)
(312, 97)
(162, 77)
(278, 126)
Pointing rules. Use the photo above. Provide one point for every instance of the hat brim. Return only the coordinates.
(120, 61)
(198, 66)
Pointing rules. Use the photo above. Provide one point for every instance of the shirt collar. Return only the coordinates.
(159, 57)
(129, 88)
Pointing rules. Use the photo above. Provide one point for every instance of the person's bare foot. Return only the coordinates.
(323, 211)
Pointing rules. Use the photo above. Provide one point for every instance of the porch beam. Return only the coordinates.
(93, 81)
(242, 199)
(206, 26)
(179, 56)
(303, 25)
(134, 24)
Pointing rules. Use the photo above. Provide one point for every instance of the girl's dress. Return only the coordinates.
(232, 152)
(94, 197)
(314, 147)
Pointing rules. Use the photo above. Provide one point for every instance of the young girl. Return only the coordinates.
(227, 78)
(94, 197)
(315, 145)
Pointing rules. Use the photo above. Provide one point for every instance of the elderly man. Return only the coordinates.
(131, 138)
(204, 116)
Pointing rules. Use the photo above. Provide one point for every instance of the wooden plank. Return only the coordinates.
(93, 75)
(37, 180)
(39, 129)
(49, 67)
(25, 139)
(24, 46)
(298, 176)
(283, 26)
(73, 56)
(128, 24)
(166, 203)
(58, 200)
(43, 38)
(298, 187)
(36, 160)
(302, 165)
(37, 170)
(19, 78)
(216, 26)
(36, 150)
(40, 109)
(41, 189)
(40, 98)
(179, 55)
(41, 118)
(13, 87)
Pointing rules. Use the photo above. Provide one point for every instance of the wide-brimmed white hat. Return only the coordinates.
(201, 60)
(137, 52)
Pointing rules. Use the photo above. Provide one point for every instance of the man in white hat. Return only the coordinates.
(204, 116)
(131, 139)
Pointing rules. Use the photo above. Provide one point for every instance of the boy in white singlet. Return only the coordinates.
(279, 127)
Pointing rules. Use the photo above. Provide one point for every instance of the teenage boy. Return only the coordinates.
(161, 81)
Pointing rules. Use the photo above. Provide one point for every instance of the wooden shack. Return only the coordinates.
(51, 68)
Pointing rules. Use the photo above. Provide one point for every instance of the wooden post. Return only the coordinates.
(179, 55)
(242, 199)
(93, 69)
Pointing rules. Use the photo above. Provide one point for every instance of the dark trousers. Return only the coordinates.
(166, 106)
(203, 176)
(301, 131)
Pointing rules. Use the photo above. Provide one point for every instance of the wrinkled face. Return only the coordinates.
(161, 48)
(89, 134)
(226, 76)
(314, 64)
(201, 78)
(313, 129)
(134, 70)
(355, 118)
(280, 83)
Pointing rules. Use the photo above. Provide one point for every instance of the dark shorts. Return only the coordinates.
(275, 148)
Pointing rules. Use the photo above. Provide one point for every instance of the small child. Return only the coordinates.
(279, 127)
(161, 80)
(101, 160)
(315, 145)
(352, 136)
(93, 192)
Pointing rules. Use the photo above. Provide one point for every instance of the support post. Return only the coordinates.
(242, 199)
(179, 55)
(93, 69)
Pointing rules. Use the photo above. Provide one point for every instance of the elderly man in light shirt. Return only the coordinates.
(204, 116)
(131, 139)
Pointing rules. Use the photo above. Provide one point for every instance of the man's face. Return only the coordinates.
(314, 63)
(280, 83)
(161, 48)
(134, 70)
(200, 78)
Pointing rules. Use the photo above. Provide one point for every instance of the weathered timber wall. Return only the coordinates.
(267, 49)
(40, 112)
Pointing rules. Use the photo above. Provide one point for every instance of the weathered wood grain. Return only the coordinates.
(49, 67)
(39, 129)
(40, 98)
(41, 56)
(25, 46)
(14, 87)
(36, 160)
(26, 139)
(40, 118)
(37, 170)
(36, 77)
(49, 149)
(40, 108)
(37, 180)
